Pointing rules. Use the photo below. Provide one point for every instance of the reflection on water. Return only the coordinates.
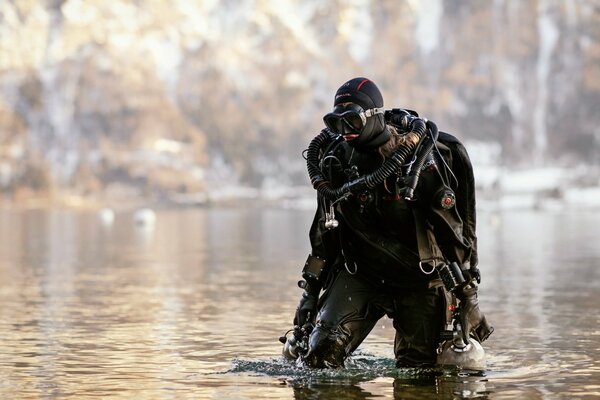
(192, 306)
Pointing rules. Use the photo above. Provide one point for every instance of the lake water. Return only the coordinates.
(192, 307)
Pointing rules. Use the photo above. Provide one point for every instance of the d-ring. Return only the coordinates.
(426, 272)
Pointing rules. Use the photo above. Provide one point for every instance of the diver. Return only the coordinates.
(393, 234)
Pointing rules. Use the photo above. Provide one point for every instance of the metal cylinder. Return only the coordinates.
(470, 356)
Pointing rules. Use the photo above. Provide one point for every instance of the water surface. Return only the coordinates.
(192, 306)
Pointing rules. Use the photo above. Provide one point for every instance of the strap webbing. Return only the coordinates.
(429, 252)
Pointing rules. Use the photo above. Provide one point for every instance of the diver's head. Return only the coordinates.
(358, 114)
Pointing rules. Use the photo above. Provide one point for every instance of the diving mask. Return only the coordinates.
(349, 120)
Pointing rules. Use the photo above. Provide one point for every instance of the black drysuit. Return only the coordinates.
(372, 258)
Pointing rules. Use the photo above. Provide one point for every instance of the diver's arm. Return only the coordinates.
(325, 251)
(465, 195)
(454, 231)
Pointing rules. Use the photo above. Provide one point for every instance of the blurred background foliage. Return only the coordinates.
(185, 101)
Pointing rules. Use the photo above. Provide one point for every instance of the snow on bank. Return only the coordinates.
(544, 188)
(550, 188)
(498, 189)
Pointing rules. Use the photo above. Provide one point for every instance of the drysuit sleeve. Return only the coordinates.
(454, 228)
(324, 244)
(465, 197)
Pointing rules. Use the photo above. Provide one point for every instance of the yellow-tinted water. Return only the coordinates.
(191, 306)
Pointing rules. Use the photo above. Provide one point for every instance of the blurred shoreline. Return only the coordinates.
(498, 189)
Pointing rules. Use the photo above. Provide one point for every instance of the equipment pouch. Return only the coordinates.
(313, 267)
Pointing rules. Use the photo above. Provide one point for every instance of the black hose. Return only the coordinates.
(413, 178)
(393, 164)
(312, 156)
(390, 166)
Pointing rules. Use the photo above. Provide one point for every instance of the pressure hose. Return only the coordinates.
(413, 178)
(325, 137)
(415, 135)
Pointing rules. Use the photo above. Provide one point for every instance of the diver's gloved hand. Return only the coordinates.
(307, 308)
(472, 320)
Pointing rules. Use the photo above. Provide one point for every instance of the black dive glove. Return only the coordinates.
(472, 320)
(307, 308)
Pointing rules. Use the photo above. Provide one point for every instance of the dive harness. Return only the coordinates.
(416, 129)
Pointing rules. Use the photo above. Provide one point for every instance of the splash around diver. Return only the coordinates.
(453, 353)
